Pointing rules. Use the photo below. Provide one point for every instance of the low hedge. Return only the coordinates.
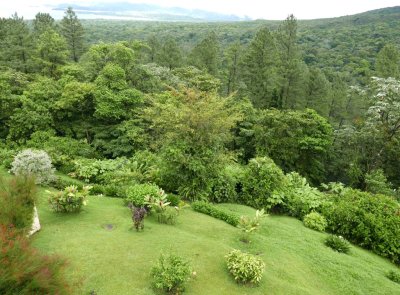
(212, 210)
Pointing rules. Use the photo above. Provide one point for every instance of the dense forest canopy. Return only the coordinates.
(302, 91)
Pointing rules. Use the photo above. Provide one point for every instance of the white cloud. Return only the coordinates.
(278, 9)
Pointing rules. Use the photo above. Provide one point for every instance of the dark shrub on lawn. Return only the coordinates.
(338, 243)
(212, 210)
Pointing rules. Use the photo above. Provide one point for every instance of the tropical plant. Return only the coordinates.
(249, 225)
(69, 200)
(244, 267)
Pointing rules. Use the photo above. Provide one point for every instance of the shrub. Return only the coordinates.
(209, 209)
(338, 243)
(69, 200)
(138, 215)
(174, 200)
(17, 198)
(371, 221)
(245, 268)
(263, 184)
(393, 276)
(377, 183)
(315, 221)
(171, 273)
(136, 194)
(250, 225)
(25, 271)
(6, 157)
(165, 213)
(35, 163)
(301, 198)
(225, 185)
(60, 182)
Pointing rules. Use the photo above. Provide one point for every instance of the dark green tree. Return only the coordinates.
(205, 55)
(388, 62)
(170, 54)
(42, 23)
(73, 32)
(232, 65)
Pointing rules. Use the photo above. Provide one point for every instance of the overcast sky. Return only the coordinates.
(278, 9)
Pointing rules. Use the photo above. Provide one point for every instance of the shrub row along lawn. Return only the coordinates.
(109, 257)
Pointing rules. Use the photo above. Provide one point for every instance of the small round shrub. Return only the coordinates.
(171, 273)
(393, 276)
(315, 221)
(69, 200)
(35, 163)
(338, 243)
(136, 194)
(174, 200)
(245, 268)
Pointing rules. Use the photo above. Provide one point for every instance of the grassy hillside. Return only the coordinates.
(118, 260)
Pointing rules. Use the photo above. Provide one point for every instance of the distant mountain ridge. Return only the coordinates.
(143, 11)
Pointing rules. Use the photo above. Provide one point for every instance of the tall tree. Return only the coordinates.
(17, 45)
(291, 69)
(72, 30)
(170, 55)
(154, 48)
(232, 64)
(260, 70)
(205, 55)
(317, 91)
(43, 22)
(388, 62)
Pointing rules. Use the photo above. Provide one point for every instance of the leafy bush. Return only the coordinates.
(371, 221)
(250, 225)
(35, 163)
(225, 185)
(245, 268)
(377, 183)
(137, 194)
(91, 170)
(393, 276)
(301, 198)
(69, 200)
(17, 198)
(338, 243)
(209, 209)
(165, 213)
(174, 200)
(263, 184)
(171, 273)
(24, 271)
(315, 221)
(6, 157)
(60, 182)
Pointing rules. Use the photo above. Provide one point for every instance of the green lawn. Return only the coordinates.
(118, 261)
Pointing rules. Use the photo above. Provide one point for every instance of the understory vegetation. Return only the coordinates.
(243, 131)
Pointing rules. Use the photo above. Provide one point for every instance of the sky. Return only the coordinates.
(266, 9)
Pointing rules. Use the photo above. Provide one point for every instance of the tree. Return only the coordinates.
(170, 54)
(42, 23)
(260, 66)
(232, 64)
(51, 51)
(205, 55)
(317, 92)
(291, 69)
(154, 48)
(191, 129)
(388, 62)
(72, 30)
(17, 45)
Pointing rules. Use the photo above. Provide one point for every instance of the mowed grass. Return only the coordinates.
(118, 261)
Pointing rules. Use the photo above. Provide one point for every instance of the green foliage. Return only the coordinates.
(17, 198)
(295, 140)
(90, 170)
(338, 243)
(226, 184)
(138, 194)
(191, 129)
(388, 62)
(69, 200)
(72, 30)
(171, 274)
(26, 271)
(393, 276)
(33, 163)
(377, 183)
(209, 209)
(371, 221)
(249, 225)
(174, 200)
(300, 197)
(315, 221)
(244, 267)
(263, 184)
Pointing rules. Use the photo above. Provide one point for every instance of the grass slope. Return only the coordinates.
(118, 261)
